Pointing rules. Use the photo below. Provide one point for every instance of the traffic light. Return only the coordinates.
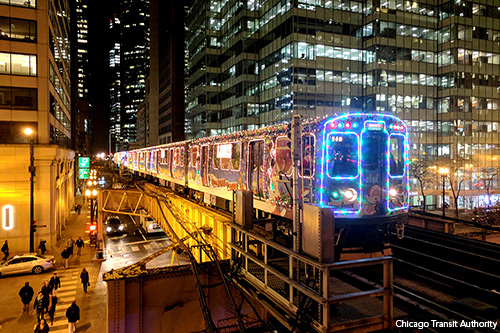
(92, 228)
(33, 226)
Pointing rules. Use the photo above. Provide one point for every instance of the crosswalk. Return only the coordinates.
(119, 250)
(66, 294)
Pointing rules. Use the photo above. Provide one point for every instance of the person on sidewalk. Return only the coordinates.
(52, 307)
(70, 245)
(38, 306)
(65, 255)
(73, 315)
(26, 293)
(79, 244)
(42, 327)
(55, 283)
(84, 276)
(42, 246)
(46, 290)
(5, 250)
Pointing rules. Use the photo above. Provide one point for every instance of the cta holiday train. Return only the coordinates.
(356, 164)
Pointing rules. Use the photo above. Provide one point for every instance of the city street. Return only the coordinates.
(119, 251)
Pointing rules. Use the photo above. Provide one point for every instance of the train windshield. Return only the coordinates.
(397, 155)
(342, 158)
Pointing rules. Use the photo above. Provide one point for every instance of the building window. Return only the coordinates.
(18, 64)
(18, 98)
(22, 3)
(24, 30)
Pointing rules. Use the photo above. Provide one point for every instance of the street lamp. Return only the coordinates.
(470, 166)
(32, 170)
(444, 172)
(91, 194)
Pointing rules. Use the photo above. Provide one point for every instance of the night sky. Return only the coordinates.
(100, 13)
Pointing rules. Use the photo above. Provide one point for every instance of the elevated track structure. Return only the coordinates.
(277, 284)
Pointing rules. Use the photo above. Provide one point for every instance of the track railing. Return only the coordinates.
(311, 293)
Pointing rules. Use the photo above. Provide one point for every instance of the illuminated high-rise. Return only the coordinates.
(35, 93)
(131, 46)
(435, 64)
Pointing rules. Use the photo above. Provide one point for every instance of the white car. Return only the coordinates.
(27, 263)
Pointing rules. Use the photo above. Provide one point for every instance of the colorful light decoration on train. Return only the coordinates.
(387, 124)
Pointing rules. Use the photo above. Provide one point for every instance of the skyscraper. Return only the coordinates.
(435, 64)
(35, 90)
(132, 47)
(81, 127)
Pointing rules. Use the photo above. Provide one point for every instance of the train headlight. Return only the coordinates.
(108, 229)
(336, 195)
(350, 194)
(393, 192)
(120, 228)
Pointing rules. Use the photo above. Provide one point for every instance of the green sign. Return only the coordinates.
(83, 173)
(84, 162)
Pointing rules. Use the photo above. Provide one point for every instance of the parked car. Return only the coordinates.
(115, 226)
(27, 263)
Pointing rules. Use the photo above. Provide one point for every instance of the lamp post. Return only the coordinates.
(91, 194)
(444, 172)
(470, 166)
(32, 170)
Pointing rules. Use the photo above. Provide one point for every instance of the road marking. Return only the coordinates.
(147, 246)
(135, 248)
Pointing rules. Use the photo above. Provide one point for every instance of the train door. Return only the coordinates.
(256, 168)
(171, 162)
(374, 164)
(204, 165)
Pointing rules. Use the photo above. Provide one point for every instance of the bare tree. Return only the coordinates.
(487, 176)
(454, 165)
(423, 173)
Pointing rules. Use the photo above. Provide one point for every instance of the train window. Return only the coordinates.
(397, 155)
(342, 155)
(215, 158)
(235, 156)
(374, 150)
(283, 156)
(194, 157)
(181, 157)
(307, 165)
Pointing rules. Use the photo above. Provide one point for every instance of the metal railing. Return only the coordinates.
(316, 292)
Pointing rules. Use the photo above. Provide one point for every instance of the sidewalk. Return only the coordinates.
(93, 303)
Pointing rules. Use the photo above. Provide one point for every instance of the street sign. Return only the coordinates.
(84, 162)
(83, 173)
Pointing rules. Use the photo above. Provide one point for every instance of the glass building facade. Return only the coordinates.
(435, 64)
(131, 47)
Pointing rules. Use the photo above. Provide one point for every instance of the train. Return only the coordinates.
(356, 164)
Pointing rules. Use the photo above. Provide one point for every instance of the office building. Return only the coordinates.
(35, 92)
(435, 64)
(131, 46)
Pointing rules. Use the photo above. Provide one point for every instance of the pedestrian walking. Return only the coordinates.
(26, 293)
(84, 276)
(52, 307)
(79, 244)
(55, 283)
(73, 315)
(70, 245)
(42, 327)
(65, 255)
(79, 208)
(38, 306)
(42, 246)
(5, 250)
(46, 290)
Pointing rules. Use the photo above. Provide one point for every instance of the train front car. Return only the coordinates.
(363, 177)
